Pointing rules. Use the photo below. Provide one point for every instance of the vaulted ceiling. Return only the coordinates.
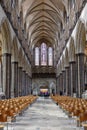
(42, 20)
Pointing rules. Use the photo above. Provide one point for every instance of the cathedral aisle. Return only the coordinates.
(44, 114)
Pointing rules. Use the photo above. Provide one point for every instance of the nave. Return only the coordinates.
(44, 114)
(43, 51)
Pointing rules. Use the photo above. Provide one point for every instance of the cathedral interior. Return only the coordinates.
(43, 64)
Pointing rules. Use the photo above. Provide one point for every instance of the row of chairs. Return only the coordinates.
(12, 107)
(73, 106)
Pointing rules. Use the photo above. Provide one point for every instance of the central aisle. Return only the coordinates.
(44, 114)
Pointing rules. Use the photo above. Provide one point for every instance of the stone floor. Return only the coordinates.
(44, 114)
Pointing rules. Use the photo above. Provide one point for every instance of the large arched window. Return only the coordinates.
(37, 56)
(50, 56)
(43, 54)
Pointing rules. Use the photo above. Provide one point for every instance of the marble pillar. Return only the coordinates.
(6, 74)
(30, 85)
(0, 75)
(80, 85)
(23, 82)
(61, 83)
(26, 84)
(20, 81)
(67, 80)
(14, 89)
(64, 80)
(56, 85)
(72, 77)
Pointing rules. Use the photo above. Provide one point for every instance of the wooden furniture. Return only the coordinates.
(74, 107)
(14, 106)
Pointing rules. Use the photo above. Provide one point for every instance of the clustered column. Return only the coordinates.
(72, 80)
(72, 77)
(61, 83)
(67, 80)
(57, 85)
(23, 82)
(14, 84)
(64, 81)
(6, 70)
(20, 80)
(80, 74)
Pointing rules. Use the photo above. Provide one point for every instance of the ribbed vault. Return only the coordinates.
(42, 20)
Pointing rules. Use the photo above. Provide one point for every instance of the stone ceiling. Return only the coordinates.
(43, 20)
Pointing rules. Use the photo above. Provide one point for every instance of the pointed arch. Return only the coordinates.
(80, 37)
(6, 35)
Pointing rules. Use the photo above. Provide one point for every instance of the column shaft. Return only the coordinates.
(20, 80)
(14, 89)
(80, 74)
(67, 80)
(61, 83)
(64, 79)
(23, 82)
(6, 70)
(72, 78)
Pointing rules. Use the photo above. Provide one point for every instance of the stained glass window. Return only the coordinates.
(43, 54)
(37, 56)
(50, 56)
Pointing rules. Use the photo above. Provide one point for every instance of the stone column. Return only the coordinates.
(56, 85)
(80, 74)
(47, 57)
(23, 82)
(20, 80)
(61, 83)
(14, 89)
(67, 80)
(30, 85)
(64, 79)
(34, 57)
(39, 56)
(6, 70)
(0, 74)
(27, 88)
(26, 84)
(85, 73)
(72, 77)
